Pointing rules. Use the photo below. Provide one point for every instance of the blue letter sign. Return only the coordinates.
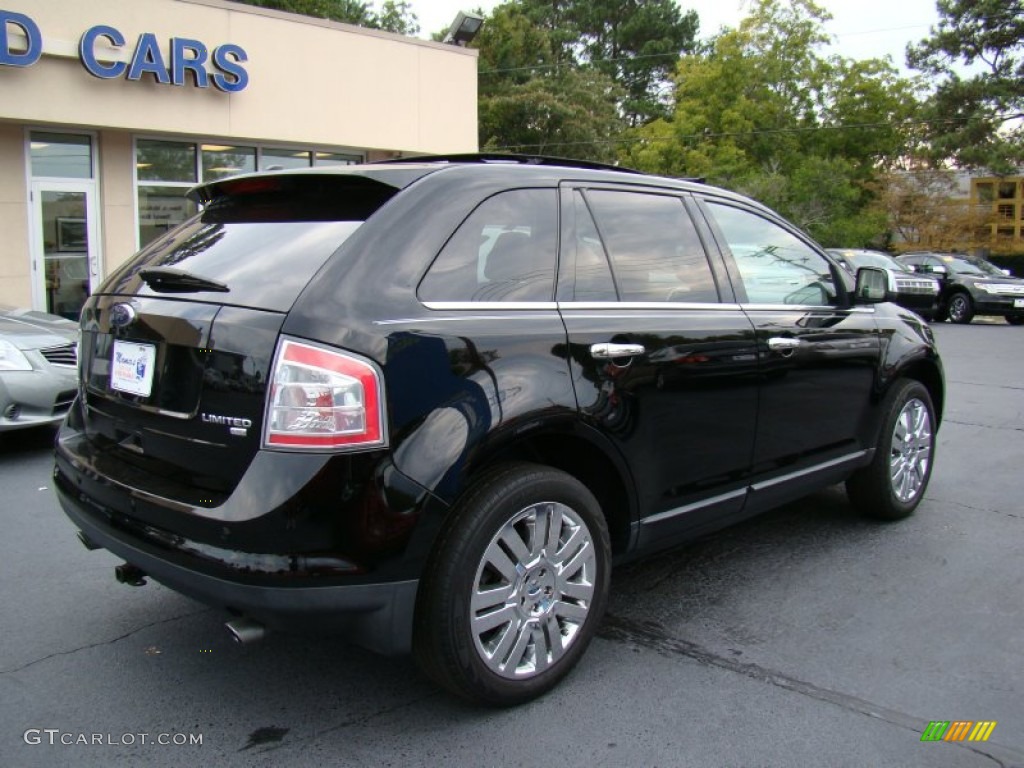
(35, 40)
(87, 53)
(186, 55)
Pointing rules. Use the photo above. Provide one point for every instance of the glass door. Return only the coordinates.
(65, 262)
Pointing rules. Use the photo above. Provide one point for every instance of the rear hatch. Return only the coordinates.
(177, 345)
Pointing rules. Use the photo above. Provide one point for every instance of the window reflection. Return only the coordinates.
(161, 209)
(279, 159)
(221, 161)
(165, 161)
(61, 155)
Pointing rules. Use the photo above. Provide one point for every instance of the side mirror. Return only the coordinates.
(874, 286)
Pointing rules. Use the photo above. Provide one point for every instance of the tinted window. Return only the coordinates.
(264, 239)
(655, 252)
(504, 251)
(775, 266)
(592, 275)
(263, 264)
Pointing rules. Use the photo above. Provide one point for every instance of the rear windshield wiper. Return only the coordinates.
(171, 280)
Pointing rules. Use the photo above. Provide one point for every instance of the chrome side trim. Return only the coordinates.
(670, 513)
(804, 308)
(620, 305)
(459, 319)
(448, 306)
(847, 459)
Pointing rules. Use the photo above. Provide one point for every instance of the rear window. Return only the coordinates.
(262, 237)
(505, 251)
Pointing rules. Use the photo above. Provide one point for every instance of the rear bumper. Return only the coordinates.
(304, 542)
(377, 616)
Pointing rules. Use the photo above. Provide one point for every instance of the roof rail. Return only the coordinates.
(500, 157)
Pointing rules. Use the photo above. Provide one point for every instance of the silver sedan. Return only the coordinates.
(38, 367)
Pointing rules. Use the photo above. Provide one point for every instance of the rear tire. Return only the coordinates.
(1015, 319)
(516, 587)
(891, 487)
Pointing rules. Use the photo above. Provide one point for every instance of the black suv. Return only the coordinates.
(970, 286)
(428, 404)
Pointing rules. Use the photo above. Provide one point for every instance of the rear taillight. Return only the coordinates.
(321, 398)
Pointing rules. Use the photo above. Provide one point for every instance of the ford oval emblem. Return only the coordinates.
(122, 315)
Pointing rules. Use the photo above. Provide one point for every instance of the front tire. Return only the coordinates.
(516, 587)
(1015, 319)
(959, 308)
(891, 487)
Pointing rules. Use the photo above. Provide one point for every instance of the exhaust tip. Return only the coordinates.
(126, 573)
(245, 631)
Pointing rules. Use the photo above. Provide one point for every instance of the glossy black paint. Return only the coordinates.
(708, 424)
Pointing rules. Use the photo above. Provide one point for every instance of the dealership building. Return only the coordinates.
(112, 110)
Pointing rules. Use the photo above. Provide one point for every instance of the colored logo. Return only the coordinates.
(959, 730)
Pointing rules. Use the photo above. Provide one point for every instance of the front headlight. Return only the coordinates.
(999, 288)
(12, 358)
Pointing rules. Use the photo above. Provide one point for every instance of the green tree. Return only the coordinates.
(394, 16)
(764, 112)
(976, 118)
(531, 104)
(635, 42)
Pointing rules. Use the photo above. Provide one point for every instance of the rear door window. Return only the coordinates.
(504, 251)
(656, 253)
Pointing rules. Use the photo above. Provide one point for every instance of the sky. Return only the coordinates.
(862, 28)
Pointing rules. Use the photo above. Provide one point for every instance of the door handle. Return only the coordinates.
(611, 351)
(783, 345)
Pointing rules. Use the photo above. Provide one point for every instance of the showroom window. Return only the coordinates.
(166, 170)
(61, 155)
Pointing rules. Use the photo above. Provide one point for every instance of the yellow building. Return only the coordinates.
(111, 110)
(1003, 198)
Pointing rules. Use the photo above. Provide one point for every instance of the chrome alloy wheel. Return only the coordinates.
(911, 450)
(959, 307)
(533, 590)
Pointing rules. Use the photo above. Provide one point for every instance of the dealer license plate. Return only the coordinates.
(131, 369)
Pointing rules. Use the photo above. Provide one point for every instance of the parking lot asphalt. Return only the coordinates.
(807, 636)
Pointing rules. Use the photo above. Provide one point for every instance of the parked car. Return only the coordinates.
(418, 402)
(38, 368)
(919, 293)
(971, 286)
